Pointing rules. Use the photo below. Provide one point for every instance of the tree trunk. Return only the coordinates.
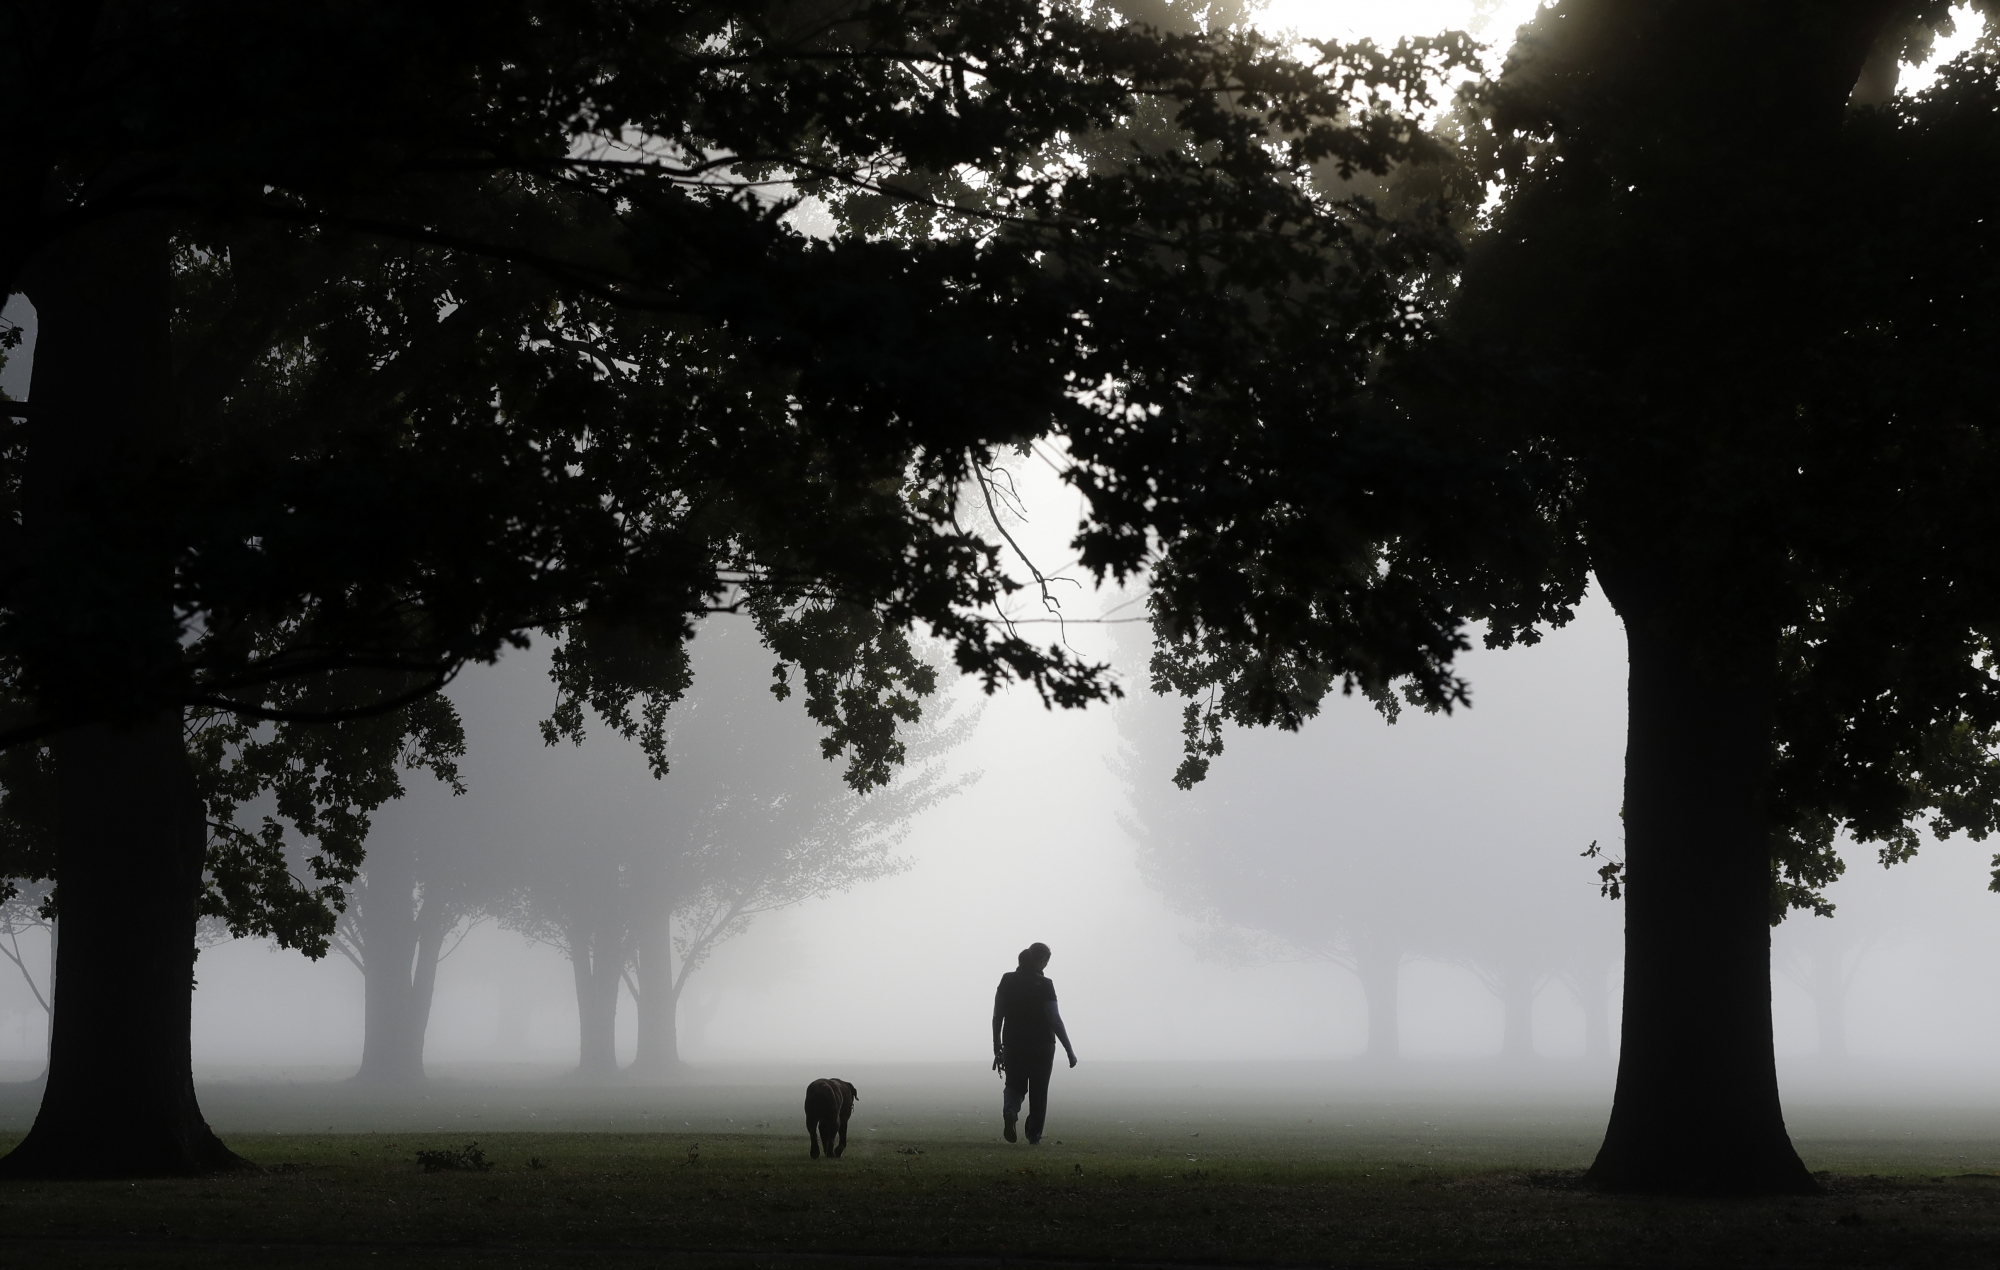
(597, 974)
(1380, 970)
(659, 1003)
(1696, 1108)
(101, 641)
(120, 1097)
(403, 932)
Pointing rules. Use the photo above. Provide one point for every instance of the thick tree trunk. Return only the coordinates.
(659, 1000)
(597, 976)
(120, 1096)
(403, 935)
(1380, 970)
(1696, 1108)
(392, 1049)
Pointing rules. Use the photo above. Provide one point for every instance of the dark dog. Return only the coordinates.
(829, 1103)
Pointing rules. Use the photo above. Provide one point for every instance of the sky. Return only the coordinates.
(1482, 815)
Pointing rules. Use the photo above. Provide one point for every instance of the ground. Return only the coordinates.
(1167, 1174)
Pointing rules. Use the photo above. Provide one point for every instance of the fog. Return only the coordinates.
(1457, 838)
(1453, 841)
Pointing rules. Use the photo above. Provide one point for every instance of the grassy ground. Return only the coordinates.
(943, 1192)
(1145, 1163)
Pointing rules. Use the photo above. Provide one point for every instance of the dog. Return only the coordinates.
(829, 1103)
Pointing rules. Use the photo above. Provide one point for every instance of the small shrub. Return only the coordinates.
(466, 1159)
(537, 1162)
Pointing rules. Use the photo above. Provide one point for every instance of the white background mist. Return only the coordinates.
(903, 969)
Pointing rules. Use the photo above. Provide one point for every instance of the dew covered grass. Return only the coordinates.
(1189, 1179)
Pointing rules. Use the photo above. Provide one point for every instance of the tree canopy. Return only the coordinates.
(546, 333)
(437, 327)
(1756, 407)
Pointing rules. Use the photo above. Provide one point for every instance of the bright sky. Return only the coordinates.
(1385, 20)
(1493, 22)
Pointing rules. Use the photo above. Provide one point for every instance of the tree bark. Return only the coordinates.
(1696, 1108)
(403, 934)
(659, 999)
(597, 974)
(1380, 970)
(95, 596)
(120, 1098)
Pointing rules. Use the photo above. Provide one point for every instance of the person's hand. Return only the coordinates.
(1072, 1058)
(1000, 1058)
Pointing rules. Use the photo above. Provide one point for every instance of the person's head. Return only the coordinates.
(1035, 957)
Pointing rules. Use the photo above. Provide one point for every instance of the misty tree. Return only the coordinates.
(1269, 860)
(27, 864)
(751, 818)
(1235, 861)
(761, 822)
(1823, 958)
(315, 398)
(573, 896)
(27, 910)
(1758, 410)
(420, 892)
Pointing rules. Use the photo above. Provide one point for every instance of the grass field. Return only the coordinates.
(1231, 1175)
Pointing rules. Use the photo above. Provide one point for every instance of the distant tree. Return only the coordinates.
(26, 911)
(760, 822)
(1823, 957)
(1761, 413)
(1235, 860)
(419, 894)
(1268, 858)
(750, 819)
(575, 896)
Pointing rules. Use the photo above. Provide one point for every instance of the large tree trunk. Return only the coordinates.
(403, 934)
(120, 1097)
(1380, 969)
(1696, 1108)
(659, 999)
(597, 973)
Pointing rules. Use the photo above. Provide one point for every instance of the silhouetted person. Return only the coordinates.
(1026, 1028)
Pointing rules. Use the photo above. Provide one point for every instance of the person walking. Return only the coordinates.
(1026, 1028)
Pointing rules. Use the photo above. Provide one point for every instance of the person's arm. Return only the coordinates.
(997, 1016)
(1062, 1033)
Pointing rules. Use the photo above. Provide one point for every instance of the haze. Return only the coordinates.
(1473, 823)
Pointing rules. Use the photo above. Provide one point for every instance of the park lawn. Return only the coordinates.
(559, 1199)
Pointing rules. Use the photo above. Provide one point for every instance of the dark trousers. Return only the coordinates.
(1028, 1075)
